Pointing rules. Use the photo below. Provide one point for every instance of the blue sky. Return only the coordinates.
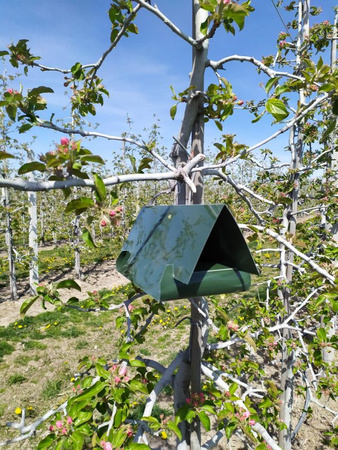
(141, 70)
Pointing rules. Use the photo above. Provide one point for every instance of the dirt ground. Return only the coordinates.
(95, 277)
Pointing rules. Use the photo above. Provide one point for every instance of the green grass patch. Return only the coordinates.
(5, 349)
(145, 352)
(81, 344)
(29, 345)
(16, 378)
(2, 409)
(22, 360)
(52, 389)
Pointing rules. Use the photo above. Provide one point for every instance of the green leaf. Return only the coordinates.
(266, 403)
(276, 108)
(100, 187)
(272, 82)
(218, 125)
(137, 363)
(335, 106)
(205, 420)
(77, 71)
(4, 53)
(117, 437)
(191, 414)
(256, 119)
(68, 284)
(88, 239)
(91, 392)
(25, 127)
(46, 442)
(92, 158)
(82, 417)
(11, 111)
(137, 446)
(35, 92)
(77, 440)
(31, 166)
(173, 427)
(331, 126)
(173, 111)
(208, 408)
(102, 372)
(132, 28)
(136, 385)
(321, 334)
(233, 388)
(81, 203)
(5, 155)
(27, 304)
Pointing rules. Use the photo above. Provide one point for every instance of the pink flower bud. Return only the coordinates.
(51, 428)
(64, 431)
(64, 141)
(59, 424)
(69, 420)
(103, 223)
(232, 325)
(107, 446)
(117, 379)
(252, 422)
(10, 91)
(123, 371)
(112, 213)
(246, 414)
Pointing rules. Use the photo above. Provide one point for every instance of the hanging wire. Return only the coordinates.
(281, 18)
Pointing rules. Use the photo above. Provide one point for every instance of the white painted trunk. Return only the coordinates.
(33, 242)
(10, 247)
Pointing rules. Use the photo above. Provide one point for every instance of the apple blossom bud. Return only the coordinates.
(64, 141)
(103, 223)
(112, 213)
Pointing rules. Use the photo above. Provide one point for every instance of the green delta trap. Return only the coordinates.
(182, 251)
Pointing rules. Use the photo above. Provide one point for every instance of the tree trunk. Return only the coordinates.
(33, 241)
(290, 219)
(10, 246)
(77, 266)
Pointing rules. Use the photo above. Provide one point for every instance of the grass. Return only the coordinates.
(52, 389)
(35, 344)
(5, 349)
(16, 379)
(23, 360)
(82, 344)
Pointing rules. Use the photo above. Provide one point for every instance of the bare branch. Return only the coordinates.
(270, 72)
